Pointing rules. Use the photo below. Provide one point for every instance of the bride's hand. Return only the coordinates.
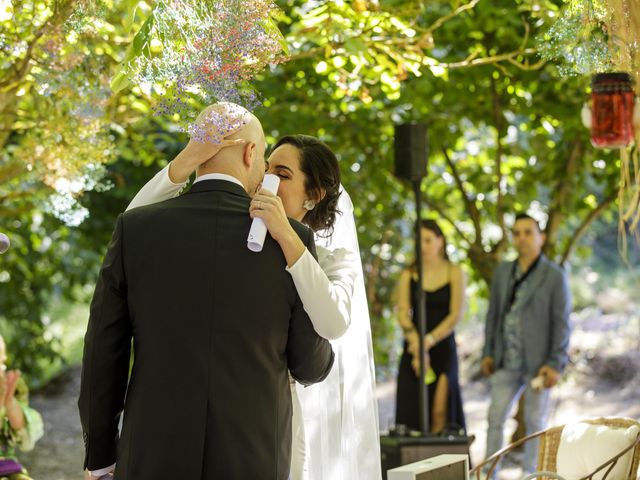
(195, 154)
(269, 208)
(209, 134)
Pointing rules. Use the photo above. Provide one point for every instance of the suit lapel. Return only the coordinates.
(532, 284)
(508, 286)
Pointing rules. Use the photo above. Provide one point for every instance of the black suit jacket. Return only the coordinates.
(215, 327)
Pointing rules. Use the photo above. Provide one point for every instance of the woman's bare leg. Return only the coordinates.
(440, 402)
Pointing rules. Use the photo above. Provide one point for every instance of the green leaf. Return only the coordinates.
(129, 20)
(139, 46)
(119, 82)
(143, 37)
(355, 45)
(272, 30)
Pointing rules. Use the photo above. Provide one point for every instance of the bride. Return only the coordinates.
(335, 423)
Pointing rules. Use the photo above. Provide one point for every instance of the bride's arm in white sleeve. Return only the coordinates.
(159, 188)
(325, 288)
(168, 182)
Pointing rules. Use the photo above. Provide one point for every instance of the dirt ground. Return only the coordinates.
(602, 380)
(60, 453)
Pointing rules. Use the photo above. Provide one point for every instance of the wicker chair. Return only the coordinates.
(548, 449)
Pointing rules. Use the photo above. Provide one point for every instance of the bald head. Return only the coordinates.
(216, 121)
(245, 160)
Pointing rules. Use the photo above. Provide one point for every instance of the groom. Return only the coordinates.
(216, 330)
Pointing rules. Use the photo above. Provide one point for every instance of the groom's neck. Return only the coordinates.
(224, 170)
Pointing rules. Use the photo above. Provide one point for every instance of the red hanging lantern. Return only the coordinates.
(612, 100)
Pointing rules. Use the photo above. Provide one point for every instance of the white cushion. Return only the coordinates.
(584, 447)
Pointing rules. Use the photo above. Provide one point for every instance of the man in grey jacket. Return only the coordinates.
(526, 336)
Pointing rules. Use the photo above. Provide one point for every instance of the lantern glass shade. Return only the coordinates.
(612, 100)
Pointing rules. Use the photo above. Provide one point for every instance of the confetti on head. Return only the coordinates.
(218, 120)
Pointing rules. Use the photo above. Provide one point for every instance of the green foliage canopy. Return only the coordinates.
(504, 135)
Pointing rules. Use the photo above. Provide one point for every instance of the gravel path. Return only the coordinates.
(60, 453)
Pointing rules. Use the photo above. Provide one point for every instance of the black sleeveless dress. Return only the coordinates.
(444, 359)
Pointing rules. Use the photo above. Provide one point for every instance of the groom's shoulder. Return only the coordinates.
(161, 208)
(304, 232)
(137, 214)
(146, 217)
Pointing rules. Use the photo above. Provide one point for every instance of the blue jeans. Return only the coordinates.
(506, 388)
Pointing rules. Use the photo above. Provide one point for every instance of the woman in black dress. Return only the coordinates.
(444, 285)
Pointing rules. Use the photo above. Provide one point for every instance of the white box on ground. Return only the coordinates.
(440, 467)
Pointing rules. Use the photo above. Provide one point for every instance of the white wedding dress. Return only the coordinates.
(335, 422)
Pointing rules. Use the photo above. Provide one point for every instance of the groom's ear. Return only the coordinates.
(249, 154)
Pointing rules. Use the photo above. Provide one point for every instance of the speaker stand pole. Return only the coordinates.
(421, 316)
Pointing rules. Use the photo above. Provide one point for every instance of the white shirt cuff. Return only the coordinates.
(102, 471)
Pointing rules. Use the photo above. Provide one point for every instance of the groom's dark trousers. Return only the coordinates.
(215, 330)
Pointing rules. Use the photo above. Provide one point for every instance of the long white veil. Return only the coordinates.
(341, 414)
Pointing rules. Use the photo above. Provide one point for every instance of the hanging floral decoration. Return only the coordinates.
(195, 52)
(579, 41)
(602, 38)
(66, 141)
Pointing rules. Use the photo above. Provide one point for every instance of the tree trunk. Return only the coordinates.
(562, 194)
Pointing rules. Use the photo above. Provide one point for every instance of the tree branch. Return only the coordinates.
(499, 247)
(447, 218)
(588, 220)
(9, 171)
(470, 205)
(8, 114)
(525, 66)
(561, 194)
(527, 31)
(498, 122)
(22, 67)
(491, 59)
(442, 20)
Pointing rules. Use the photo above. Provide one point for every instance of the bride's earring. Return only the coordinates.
(309, 205)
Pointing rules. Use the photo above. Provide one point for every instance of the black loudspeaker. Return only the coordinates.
(402, 450)
(410, 146)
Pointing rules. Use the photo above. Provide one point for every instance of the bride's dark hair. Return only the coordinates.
(321, 171)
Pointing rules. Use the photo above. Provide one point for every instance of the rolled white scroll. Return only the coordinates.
(258, 230)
